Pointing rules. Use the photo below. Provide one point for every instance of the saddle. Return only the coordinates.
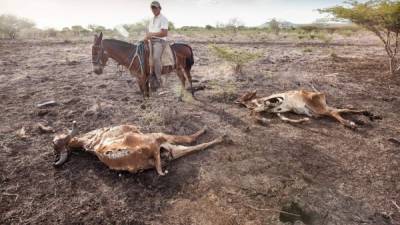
(168, 56)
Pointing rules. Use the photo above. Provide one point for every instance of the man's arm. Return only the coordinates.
(162, 33)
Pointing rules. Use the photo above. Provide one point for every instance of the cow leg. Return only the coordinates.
(366, 113)
(283, 118)
(355, 111)
(178, 151)
(181, 139)
(336, 115)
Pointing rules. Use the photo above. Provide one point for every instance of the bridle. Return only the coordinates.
(99, 58)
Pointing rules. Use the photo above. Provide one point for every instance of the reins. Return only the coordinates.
(99, 56)
(140, 54)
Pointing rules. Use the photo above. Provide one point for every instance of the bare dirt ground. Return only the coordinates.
(321, 171)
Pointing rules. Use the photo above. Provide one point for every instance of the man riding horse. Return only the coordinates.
(157, 34)
(136, 57)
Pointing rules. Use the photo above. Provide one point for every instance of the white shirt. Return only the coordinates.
(157, 23)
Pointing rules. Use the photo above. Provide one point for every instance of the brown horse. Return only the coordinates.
(124, 54)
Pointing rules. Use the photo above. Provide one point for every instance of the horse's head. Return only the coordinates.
(99, 57)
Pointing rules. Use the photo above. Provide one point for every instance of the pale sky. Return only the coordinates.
(109, 13)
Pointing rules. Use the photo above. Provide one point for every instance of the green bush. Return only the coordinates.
(235, 56)
(382, 17)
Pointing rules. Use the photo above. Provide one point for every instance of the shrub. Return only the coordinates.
(382, 17)
(10, 25)
(274, 26)
(235, 56)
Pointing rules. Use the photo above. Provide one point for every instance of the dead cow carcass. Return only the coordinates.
(124, 147)
(311, 104)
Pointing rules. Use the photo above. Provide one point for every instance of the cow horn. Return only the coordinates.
(62, 160)
(64, 154)
(74, 130)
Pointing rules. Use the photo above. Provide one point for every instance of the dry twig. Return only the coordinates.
(272, 210)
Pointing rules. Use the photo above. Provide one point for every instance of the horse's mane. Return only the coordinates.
(120, 43)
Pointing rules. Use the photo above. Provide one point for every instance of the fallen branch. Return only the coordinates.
(9, 194)
(271, 210)
(394, 141)
(397, 206)
(332, 75)
(163, 93)
(47, 104)
(397, 70)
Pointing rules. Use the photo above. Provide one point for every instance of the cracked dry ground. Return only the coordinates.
(321, 171)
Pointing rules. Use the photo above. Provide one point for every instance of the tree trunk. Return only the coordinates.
(394, 65)
(391, 65)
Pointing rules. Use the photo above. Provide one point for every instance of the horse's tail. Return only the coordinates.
(190, 59)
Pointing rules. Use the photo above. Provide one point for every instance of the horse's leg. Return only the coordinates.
(147, 87)
(189, 78)
(140, 86)
(181, 75)
(140, 81)
(144, 85)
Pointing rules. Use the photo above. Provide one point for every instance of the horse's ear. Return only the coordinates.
(95, 38)
(101, 36)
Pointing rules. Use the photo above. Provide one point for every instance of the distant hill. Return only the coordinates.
(282, 24)
(287, 24)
